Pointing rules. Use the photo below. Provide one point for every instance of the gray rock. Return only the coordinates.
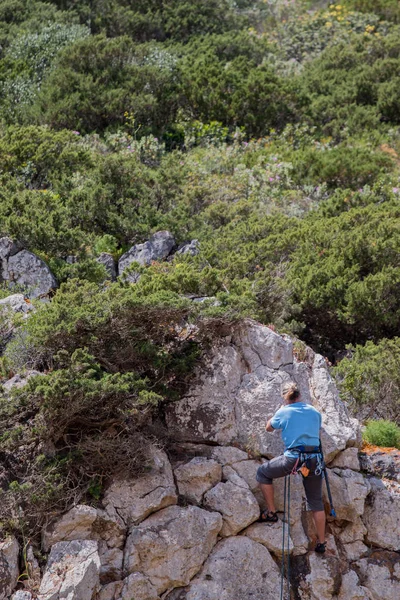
(382, 516)
(239, 388)
(9, 568)
(237, 505)
(196, 477)
(349, 490)
(380, 574)
(134, 500)
(269, 536)
(348, 459)
(351, 588)
(382, 463)
(227, 455)
(192, 248)
(22, 595)
(237, 569)
(18, 381)
(17, 303)
(29, 271)
(72, 571)
(138, 587)
(109, 263)
(322, 577)
(156, 248)
(110, 591)
(170, 546)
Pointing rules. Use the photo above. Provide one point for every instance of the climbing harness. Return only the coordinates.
(302, 465)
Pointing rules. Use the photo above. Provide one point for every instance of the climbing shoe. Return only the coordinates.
(320, 548)
(268, 516)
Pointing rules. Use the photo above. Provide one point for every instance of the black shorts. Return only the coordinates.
(283, 465)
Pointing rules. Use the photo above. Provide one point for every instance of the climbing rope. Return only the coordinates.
(286, 515)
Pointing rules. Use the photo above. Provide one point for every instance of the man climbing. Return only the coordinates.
(300, 424)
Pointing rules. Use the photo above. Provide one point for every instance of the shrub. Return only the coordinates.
(382, 433)
(369, 379)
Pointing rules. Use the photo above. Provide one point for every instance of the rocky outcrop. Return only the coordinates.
(109, 264)
(239, 388)
(237, 505)
(186, 529)
(9, 568)
(171, 546)
(134, 500)
(382, 516)
(237, 568)
(196, 477)
(72, 571)
(157, 247)
(19, 266)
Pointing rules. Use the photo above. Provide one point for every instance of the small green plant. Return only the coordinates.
(382, 433)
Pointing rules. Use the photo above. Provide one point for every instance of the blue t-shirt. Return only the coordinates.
(300, 424)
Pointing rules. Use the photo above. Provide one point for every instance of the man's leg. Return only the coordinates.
(320, 520)
(268, 493)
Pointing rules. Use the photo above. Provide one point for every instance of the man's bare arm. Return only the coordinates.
(269, 427)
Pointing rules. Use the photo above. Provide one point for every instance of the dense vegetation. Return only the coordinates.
(268, 130)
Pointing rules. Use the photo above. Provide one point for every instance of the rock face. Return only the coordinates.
(72, 571)
(382, 517)
(239, 389)
(109, 263)
(156, 248)
(9, 569)
(238, 568)
(17, 303)
(24, 268)
(196, 477)
(134, 500)
(171, 546)
(237, 505)
(141, 545)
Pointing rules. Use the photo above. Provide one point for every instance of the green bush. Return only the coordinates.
(369, 379)
(382, 433)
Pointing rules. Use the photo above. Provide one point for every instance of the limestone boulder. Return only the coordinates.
(170, 546)
(18, 381)
(156, 248)
(17, 303)
(349, 490)
(138, 587)
(84, 522)
(237, 505)
(109, 264)
(269, 535)
(227, 455)
(192, 248)
(239, 388)
(207, 413)
(22, 595)
(110, 591)
(72, 571)
(9, 568)
(111, 563)
(348, 459)
(382, 516)
(380, 575)
(21, 267)
(196, 477)
(76, 524)
(351, 588)
(133, 500)
(229, 474)
(319, 578)
(237, 569)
